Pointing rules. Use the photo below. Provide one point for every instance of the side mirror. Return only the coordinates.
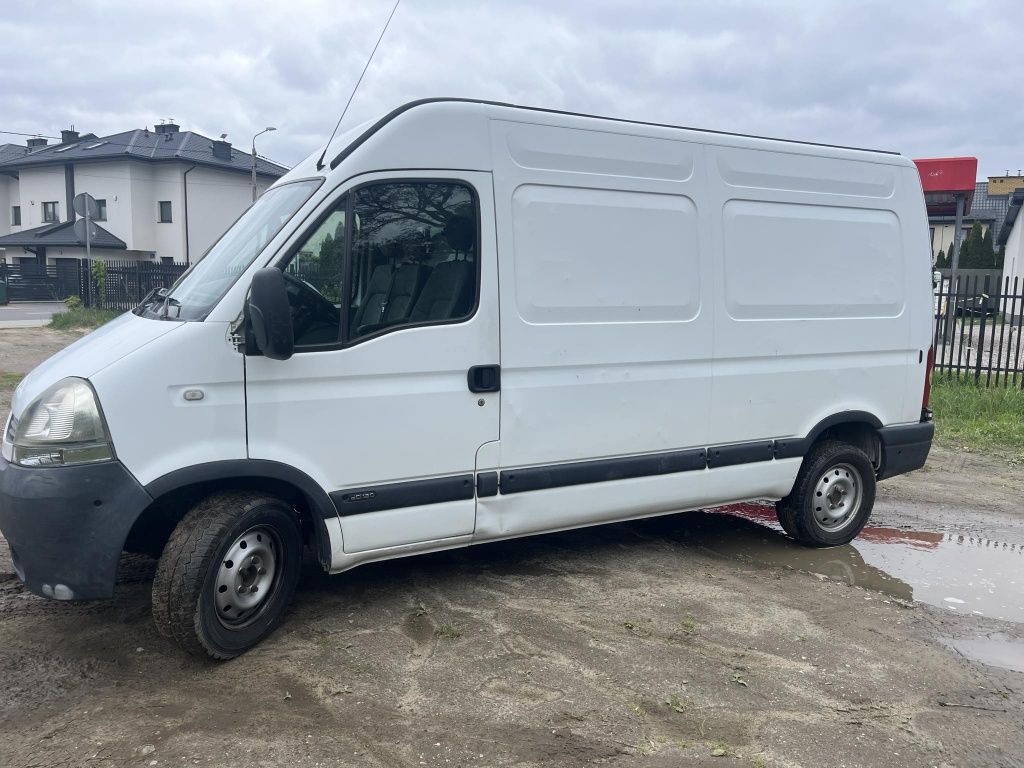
(270, 316)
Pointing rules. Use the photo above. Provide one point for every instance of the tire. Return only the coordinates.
(832, 497)
(227, 574)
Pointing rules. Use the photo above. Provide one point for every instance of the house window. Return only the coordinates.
(101, 210)
(165, 212)
(50, 213)
(15, 215)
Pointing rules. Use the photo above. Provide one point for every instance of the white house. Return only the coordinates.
(163, 194)
(1011, 236)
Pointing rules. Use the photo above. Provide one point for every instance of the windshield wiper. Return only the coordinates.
(169, 302)
(152, 297)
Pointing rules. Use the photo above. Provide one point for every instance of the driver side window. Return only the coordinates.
(388, 255)
(314, 278)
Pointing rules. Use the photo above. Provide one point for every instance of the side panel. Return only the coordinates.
(814, 284)
(605, 328)
(155, 430)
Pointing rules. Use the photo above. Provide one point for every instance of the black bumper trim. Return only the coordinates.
(905, 447)
(66, 526)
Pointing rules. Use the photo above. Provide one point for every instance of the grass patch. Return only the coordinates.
(10, 380)
(83, 317)
(978, 418)
(449, 631)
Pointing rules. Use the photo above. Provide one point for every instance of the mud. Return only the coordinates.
(949, 569)
(693, 639)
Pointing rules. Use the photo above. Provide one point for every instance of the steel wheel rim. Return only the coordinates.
(837, 497)
(247, 576)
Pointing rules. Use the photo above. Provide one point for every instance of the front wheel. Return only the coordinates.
(832, 497)
(227, 574)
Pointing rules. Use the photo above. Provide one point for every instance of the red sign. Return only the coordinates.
(943, 178)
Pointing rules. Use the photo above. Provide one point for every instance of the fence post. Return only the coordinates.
(981, 331)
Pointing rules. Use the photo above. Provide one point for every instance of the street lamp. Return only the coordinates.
(265, 130)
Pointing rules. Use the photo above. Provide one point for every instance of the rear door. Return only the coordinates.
(393, 290)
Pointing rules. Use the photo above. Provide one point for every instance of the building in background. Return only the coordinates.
(1011, 238)
(988, 207)
(163, 195)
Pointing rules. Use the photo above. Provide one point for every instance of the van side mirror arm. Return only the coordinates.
(269, 316)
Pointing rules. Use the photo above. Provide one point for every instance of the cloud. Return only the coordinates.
(925, 79)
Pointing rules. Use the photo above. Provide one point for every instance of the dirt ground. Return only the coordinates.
(21, 350)
(669, 642)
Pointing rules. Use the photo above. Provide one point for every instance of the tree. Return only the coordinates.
(940, 261)
(988, 253)
(972, 254)
(328, 278)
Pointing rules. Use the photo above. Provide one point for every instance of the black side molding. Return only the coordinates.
(742, 453)
(487, 484)
(602, 470)
(412, 493)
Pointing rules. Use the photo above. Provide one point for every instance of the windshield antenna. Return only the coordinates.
(320, 162)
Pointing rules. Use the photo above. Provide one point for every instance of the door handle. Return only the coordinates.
(484, 378)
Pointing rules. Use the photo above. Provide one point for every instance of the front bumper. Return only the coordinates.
(905, 447)
(66, 526)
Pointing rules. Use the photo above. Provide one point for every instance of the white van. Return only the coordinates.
(473, 321)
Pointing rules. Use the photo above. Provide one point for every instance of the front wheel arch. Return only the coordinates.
(175, 493)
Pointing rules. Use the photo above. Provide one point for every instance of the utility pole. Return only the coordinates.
(265, 130)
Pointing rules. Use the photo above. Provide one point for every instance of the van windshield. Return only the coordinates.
(203, 284)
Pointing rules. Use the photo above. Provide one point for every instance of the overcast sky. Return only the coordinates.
(926, 77)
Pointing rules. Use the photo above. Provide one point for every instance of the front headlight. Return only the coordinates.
(62, 426)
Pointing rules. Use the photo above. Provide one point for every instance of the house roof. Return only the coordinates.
(61, 236)
(986, 208)
(139, 144)
(9, 151)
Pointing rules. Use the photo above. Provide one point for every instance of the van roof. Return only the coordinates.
(419, 102)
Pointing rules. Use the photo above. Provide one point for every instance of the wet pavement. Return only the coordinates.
(944, 568)
(957, 570)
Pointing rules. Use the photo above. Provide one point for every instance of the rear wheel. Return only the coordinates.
(832, 497)
(227, 574)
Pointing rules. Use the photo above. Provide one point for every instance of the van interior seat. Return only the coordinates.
(372, 308)
(447, 294)
(406, 285)
(450, 287)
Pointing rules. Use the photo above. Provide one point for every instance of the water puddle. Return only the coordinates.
(996, 650)
(967, 574)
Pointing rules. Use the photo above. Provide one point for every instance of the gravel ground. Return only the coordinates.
(657, 643)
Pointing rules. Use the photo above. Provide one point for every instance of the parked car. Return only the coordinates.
(515, 321)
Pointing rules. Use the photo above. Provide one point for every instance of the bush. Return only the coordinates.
(73, 303)
(99, 280)
(83, 317)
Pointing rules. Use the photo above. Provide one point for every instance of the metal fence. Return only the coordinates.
(126, 283)
(118, 285)
(35, 282)
(978, 325)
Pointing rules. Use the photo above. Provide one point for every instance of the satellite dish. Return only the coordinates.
(85, 205)
(80, 231)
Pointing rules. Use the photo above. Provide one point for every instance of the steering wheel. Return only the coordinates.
(311, 310)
